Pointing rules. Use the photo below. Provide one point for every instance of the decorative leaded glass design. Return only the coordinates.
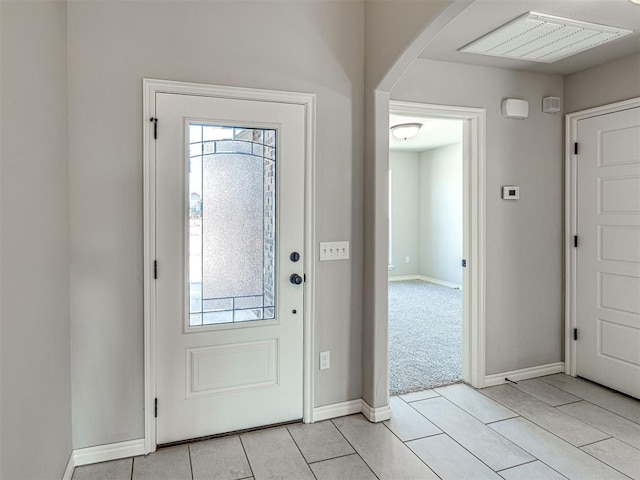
(232, 224)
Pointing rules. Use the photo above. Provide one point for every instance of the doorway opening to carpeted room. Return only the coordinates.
(425, 252)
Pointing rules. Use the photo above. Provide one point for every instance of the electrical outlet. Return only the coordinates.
(334, 251)
(325, 360)
(406, 259)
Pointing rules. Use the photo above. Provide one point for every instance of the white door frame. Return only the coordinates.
(474, 148)
(571, 219)
(150, 88)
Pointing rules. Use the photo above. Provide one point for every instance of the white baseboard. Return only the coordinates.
(379, 414)
(337, 410)
(342, 409)
(523, 374)
(71, 464)
(132, 448)
(112, 451)
(439, 282)
(405, 278)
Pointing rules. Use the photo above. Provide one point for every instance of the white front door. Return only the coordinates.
(229, 178)
(608, 254)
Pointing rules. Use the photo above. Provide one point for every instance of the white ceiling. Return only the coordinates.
(483, 16)
(434, 133)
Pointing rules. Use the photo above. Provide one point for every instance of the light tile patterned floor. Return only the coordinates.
(554, 427)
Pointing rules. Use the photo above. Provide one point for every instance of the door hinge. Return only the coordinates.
(575, 241)
(154, 120)
(155, 269)
(155, 408)
(575, 334)
(464, 262)
(575, 148)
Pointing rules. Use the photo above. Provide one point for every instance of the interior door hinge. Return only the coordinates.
(154, 120)
(575, 148)
(464, 262)
(575, 241)
(155, 269)
(155, 408)
(575, 334)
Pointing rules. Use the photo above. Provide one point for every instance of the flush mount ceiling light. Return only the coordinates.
(636, 2)
(543, 38)
(405, 131)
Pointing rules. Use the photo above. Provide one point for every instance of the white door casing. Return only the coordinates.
(473, 328)
(230, 376)
(604, 293)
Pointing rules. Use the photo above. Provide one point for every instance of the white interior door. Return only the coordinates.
(229, 215)
(608, 255)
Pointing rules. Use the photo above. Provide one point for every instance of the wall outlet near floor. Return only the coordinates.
(325, 360)
(334, 251)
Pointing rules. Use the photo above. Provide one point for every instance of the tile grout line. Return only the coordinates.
(354, 449)
(479, 459)
(417, 438)
(190, 462)
(246, 456)
(604, 463)
(409, 448)
(611, 435)
(511, 441)
(502, 420)
(552, 386)
(555, 408)
(471, 414)
(540, 427)
(300, 451)
(535, 459)
(568, 403)
(442, 432)
(563, 440)
(606, 410)
(592, 443)
(589, 401)
(332, 458)
(418, 400)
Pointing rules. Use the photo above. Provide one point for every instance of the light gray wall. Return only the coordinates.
(391, 29)
(441, 213)
(313, 47)
(524, 237)
(35, 364)
(404, 212)
(604, 84)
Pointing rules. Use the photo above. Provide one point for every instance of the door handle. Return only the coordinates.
(295, 279)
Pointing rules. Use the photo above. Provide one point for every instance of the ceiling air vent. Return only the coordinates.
(543, 38)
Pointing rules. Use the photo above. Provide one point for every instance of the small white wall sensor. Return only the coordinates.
(551, 105)
(510, 192)
(514, 108)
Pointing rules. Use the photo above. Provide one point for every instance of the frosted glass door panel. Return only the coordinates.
(232, 180)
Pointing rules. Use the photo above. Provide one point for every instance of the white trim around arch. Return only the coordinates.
(150, 88)
(473, 348)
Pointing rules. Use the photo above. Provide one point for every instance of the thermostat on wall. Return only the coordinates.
(510, 192)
